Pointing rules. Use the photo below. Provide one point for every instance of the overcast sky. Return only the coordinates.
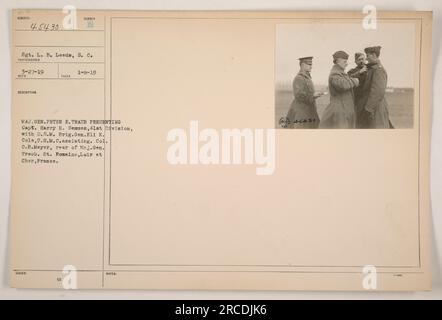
(321, 40)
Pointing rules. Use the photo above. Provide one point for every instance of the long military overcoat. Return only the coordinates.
(340, 113)
(372, 105)
(303, 112)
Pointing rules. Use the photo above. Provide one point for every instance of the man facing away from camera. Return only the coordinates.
(371, 106)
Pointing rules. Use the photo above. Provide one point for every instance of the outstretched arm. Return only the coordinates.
(341, 83)
(353, 73)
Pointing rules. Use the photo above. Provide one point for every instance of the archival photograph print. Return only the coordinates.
(343, 75)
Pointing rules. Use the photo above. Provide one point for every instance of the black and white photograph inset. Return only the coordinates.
(339, 75)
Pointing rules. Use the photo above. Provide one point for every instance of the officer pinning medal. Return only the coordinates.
(353, 99)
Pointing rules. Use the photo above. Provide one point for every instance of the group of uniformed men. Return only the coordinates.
(357, 97)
